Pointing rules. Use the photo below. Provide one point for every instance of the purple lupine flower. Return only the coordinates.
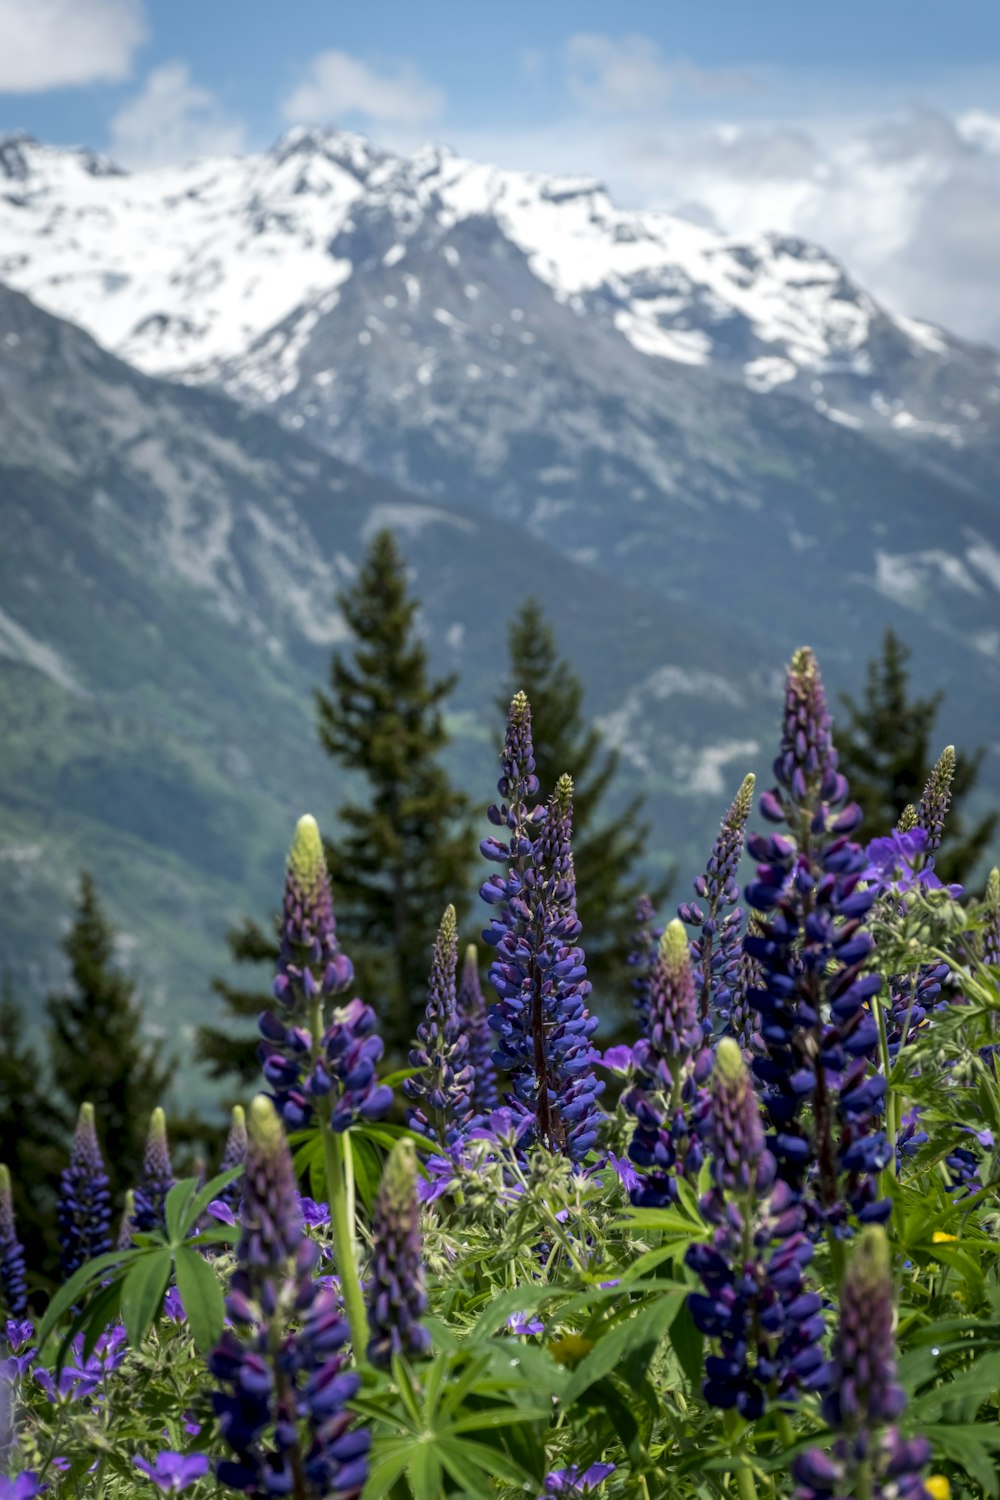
(991, 930)
(83, 1212)
(640, 960)
(756, 1304)
(715, 952)
(286, 1369)
(571, 1483)
(157, 1177)
(743, 1022)
(444, 1080)
(670, 1064)
(396, 1296)
(24, 1487)
(936, 799)
(234, 1156)
(523, 1323)
(13, 1282)
(475, 1024)
(864, 1399)
(541, 1021)
(80, 1378)
(307, 1059)
(173, 1472)
(820, 1036)
(900, 862)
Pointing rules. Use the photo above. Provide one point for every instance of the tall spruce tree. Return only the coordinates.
(887, 753)
(230, 1050)
(34, 1136)
(96, 1048)
(406, 847)
(608, 848)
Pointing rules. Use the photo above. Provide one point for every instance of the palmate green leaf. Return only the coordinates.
(202, 1296)
(92, 1320)
(642, 1332)
(388, 1461)
(423, 1470)
(689, 1346)
(176, 1202)
(974, 1447)
(73, 1289)
(491, 1461)
(474, 1481)
(142, 1292)
(367, 1167)
(206, 1195)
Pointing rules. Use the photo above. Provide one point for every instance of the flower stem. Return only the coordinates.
(342, 1224)
(745, 1483)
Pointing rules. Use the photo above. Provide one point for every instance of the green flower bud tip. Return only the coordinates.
(157, 1125)
(86, 1116)
(399, 1174)
(870, 1264)
(472, 956)
(907, 819)
(674, 949)
(263, 1126)
(803, 663)
(4, 1181)
(306, 859)
(729, 1062)
(740, 810)
(519, 707)
(448, 930)
(564, 792)
(239, 1117)
(993, 890)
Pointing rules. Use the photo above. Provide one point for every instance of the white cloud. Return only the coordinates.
(631, 77)
(337, 84)
(173, 120)
(49, 44)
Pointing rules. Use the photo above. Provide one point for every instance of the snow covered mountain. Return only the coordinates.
(715, 420)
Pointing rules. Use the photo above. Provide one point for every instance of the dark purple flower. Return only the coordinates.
(83, 1212)
(715, 952)
(234, 1156)
(24, 1487)
(523, 1323)
(444, 1079)
(645, 939)
(541, 1021)
(13, 1282)
(936, 799)
(571, 1483)
(79, 1377)
(173, 1472)
(475, 1024)
(284, 1382)
(396, 1296)
(864, 1398)
(157, 1177)
(306, 1057)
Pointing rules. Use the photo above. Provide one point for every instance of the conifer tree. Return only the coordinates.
(231, 1049)
(33, 1135)
(887, 753)
(96, 1049)
(405, 848)
(608, 847)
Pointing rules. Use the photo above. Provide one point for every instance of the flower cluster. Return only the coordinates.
(715, 952)
(816, 1024)
(756, 1305)
(284, 1384)
(475, 1025)
(444, 1078)
(306, 1060)
(936, 799)
(670, 1064)
(13, 1282)
(640, 960)
(157, 1177)
(541, 1020)
(396, 1295)
(864, 1400)
(83, 1212)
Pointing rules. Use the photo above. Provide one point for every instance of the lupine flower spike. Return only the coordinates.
(306, 1058)
(444, 1080)
(284, 1382)
(83, 1212)
(816, 1024)
(541, 1021)
(157, 1177)
(234, 1155)
(991, 932)
(870, 1457)
(715, 952)
(13, 1282)
(645, 939)
(472, 1013)
(767, 1324)
(670, 1063)
(936, 800)
(396, 1296)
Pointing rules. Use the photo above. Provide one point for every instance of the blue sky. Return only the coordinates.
(871, 127)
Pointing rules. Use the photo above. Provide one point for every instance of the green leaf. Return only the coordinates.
(142, 1292)
(207, 1195)
(465, 1471)
(176, 1202)
(642, 1332)
(973, 1447)
(689, 1346)
(496, 1461)
(70, 1293)
(387, 1464)
(424, 1470)
(202, 1296)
